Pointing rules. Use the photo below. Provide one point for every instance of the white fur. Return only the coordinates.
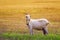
(36, 23)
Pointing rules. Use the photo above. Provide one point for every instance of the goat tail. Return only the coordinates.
(50, 24)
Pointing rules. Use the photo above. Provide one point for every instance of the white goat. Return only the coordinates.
(39, 24)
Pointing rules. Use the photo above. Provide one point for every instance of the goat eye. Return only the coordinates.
(26, 16)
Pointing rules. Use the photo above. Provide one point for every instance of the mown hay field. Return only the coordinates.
(13, 19)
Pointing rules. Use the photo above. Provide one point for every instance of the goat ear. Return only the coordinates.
(26, 13)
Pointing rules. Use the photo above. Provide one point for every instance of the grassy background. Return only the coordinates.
(14, 36)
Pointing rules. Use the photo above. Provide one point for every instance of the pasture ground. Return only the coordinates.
(15, 36)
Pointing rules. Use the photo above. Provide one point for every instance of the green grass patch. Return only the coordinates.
(16, 36)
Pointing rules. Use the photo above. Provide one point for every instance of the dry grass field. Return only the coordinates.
(12, 17)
